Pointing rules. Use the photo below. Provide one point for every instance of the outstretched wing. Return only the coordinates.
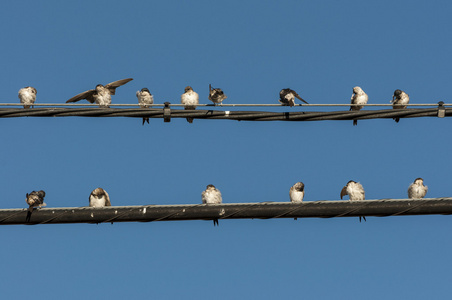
(88, 95)
(298, 96)
(113, 85)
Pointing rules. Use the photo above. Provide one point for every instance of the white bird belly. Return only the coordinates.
(97, 202)
(296, 196)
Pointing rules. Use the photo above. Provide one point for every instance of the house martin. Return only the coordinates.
(101, 94)
(144, 99)
(27, 96)
(358, 97)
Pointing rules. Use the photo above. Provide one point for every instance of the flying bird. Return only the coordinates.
(190, 99)
(101, 94)
(399, 101)
(355, 191)
(34, 199)
(358, 97)
(211, 196)
(27, 96)
(144, 99)
(296, 192)
(99, 198)
(287, 97)
(417, 189)
(216, 95)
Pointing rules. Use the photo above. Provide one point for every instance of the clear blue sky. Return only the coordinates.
(251, 49)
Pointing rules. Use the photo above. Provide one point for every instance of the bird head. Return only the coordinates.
(397, 93)
(98, 192)
(299, 186)
(357, 90)
(419, 181)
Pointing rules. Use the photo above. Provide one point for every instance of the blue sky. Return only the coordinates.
(251, 49)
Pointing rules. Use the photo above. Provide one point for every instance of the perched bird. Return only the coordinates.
(287, 97)
(417, 189)
(99, 198)
(34, 199)
(211, 196)
(144, 99)
(358, 97)
(27, 96)
(101, 94)
(355, 191)
(399, 101)
(190, 99)
(216, 95)
(296, 192)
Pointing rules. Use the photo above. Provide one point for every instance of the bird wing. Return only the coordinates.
(113, 85)
(361, 190)
(410, 191)
(219, 198)
(203, 197)
(210, 92)
(343, 191)
(298, 96)
(107, 199)
(88, 95)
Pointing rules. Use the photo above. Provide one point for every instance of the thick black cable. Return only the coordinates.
(292, 115)
(264, 210)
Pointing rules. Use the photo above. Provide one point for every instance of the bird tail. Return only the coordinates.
(190, 120)
(145, 120)
(355, 122)
(30, 210)
(397, 120)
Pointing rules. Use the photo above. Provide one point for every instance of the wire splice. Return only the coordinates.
(441, 110)
(167, 112)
